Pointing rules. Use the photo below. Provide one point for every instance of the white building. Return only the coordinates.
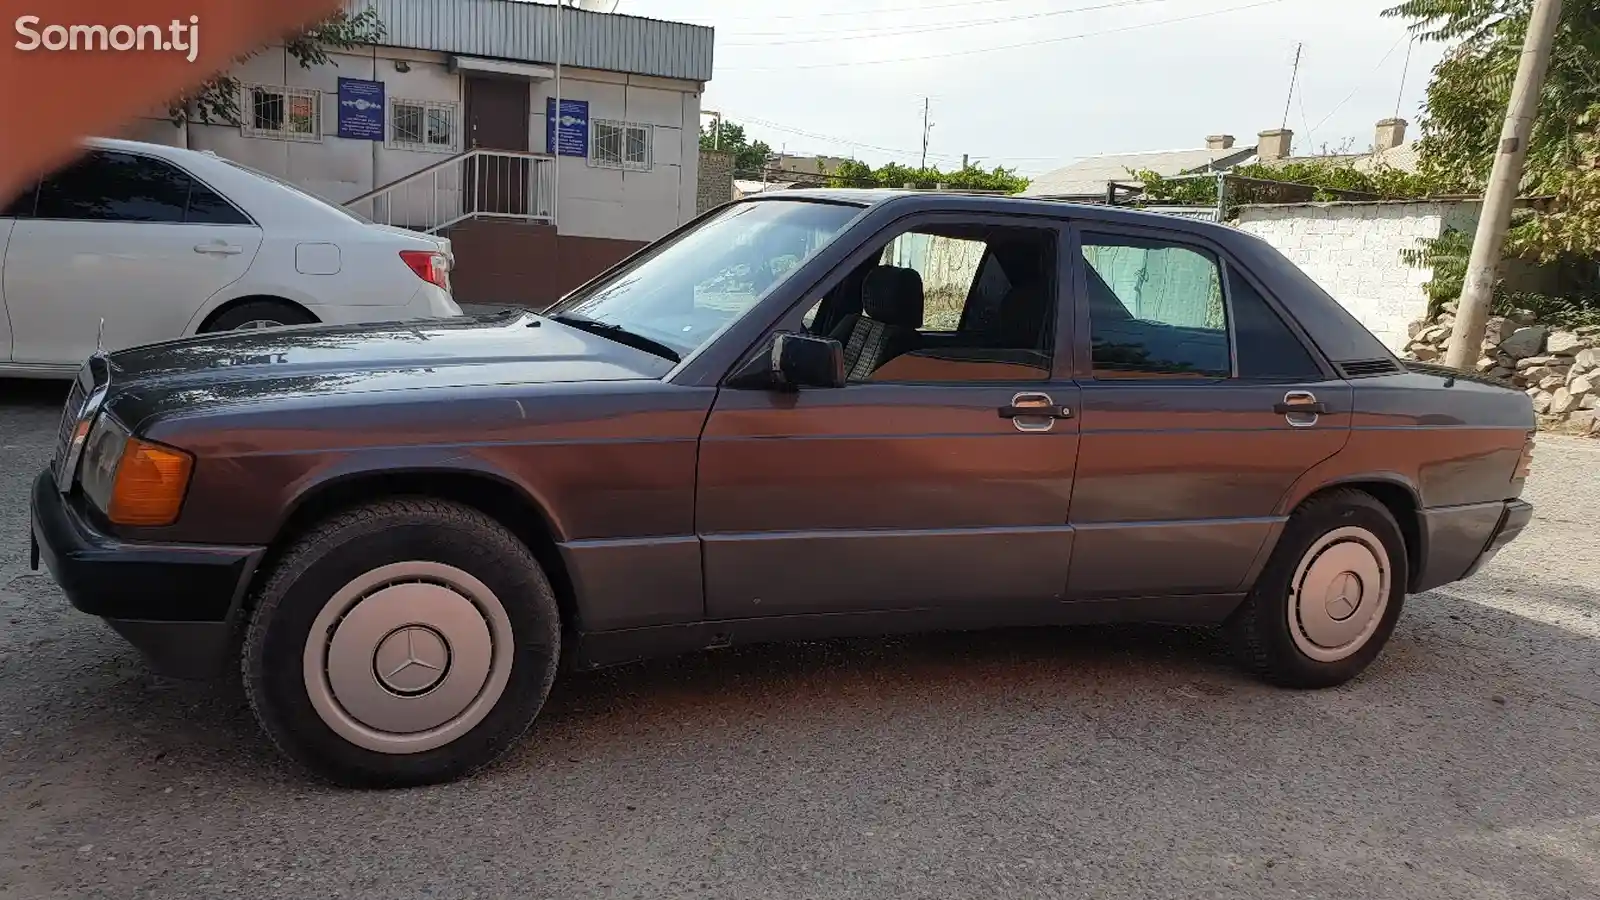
(390, 128)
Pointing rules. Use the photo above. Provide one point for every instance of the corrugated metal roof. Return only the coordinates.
(522, 31)
(1088, 177)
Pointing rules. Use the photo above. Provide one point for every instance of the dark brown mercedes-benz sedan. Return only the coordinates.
(816, 414)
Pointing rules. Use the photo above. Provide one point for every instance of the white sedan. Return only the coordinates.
(135, 243)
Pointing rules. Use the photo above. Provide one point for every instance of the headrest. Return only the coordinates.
(893, 296)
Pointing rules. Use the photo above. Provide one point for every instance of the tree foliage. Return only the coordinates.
(749, 157)
(893, 175)
(217, 100)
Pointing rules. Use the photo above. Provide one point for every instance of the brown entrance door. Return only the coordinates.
(497, 119)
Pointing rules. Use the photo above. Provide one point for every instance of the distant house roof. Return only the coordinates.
(746, 188)
(1088, 177)
(1403, 157)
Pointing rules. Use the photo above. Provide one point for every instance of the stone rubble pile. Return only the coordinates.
(1558, 368)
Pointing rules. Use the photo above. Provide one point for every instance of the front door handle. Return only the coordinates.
(1031, 411)
(1301, 408)
(220, 249)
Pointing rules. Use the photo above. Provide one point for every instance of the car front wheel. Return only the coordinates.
(400, 643)
(1330, 595)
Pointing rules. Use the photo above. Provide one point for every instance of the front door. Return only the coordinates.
(1202, 409)
(497, 119)
(940, 476)
(126, 240)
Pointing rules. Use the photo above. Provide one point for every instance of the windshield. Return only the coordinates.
(298, 190)
(684, 292)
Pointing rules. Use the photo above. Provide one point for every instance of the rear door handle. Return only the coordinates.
(220, 249)
(1301, 408)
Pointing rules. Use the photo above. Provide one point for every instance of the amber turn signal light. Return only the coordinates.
(151, 482)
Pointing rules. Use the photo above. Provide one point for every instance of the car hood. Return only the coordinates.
(511, 348)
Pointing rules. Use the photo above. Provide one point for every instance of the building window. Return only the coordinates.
(619, 145)
(423, 125)
(285, 113)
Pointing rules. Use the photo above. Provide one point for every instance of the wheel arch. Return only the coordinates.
(499, 498)
(222, 308)
(1401, 497)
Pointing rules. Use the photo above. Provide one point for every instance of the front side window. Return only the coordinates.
(619, 145)
(1156, 309)
(109, 186)
(947, 304)
(678, 296)
(284, 113)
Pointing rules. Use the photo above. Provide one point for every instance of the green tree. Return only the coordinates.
(217, 100)
(893, 175)
(749, 157)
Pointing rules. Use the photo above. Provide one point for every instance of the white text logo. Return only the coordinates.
(181, 37)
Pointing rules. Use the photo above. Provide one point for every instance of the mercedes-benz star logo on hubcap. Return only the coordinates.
(1344, 595)
(411, 659)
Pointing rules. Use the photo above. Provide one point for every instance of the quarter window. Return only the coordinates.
(283, 113)
(1267, 349)
(620, 145)
(423, 125)
(1155, 309)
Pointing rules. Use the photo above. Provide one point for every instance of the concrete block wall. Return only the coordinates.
(716, 179)
(1353, 251)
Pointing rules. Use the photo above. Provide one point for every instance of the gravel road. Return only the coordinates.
(1126, 762)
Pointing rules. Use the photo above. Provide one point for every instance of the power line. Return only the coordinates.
(856, 34)
(1362, 82)
(978, 50)
(853, 143)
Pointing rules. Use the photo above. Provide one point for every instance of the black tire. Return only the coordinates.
(360, 540)
(280, 311)
(1261, 630)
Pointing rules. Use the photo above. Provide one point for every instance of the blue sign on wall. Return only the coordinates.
(569, 136)
(360, 109)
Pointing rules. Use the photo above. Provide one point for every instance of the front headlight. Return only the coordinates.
(101, 453)
(133, 481)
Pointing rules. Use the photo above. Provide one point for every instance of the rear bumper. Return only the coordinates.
(1457, 541)
(176, 603)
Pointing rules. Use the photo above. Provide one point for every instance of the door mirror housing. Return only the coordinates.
(793, 361)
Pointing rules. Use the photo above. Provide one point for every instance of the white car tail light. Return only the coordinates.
(430, 265)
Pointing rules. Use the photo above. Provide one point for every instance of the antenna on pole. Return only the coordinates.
(1294, 75)
(1404, 70)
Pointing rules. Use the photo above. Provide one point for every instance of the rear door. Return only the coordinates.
(20, 206)
(1201, 407)
(129, 239)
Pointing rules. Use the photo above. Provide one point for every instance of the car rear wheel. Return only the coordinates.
(1329, 597)
(256, 314)
(401, 643)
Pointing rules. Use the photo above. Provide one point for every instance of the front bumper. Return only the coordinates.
(176, 603)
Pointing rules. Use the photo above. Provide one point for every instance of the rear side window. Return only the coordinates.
(108, 186)
(1155, 309)
(1267, 349)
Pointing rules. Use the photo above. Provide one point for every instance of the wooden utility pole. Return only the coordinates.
(925, 127)
(1477, 291)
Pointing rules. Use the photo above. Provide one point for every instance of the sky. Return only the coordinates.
(1035, 84)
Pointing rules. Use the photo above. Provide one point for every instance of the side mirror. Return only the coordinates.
(793, 361)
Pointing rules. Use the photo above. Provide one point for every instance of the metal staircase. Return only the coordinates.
(477, 184)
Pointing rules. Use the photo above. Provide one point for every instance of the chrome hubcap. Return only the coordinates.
(1340, 594)
(408, 657)
(254, 324)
